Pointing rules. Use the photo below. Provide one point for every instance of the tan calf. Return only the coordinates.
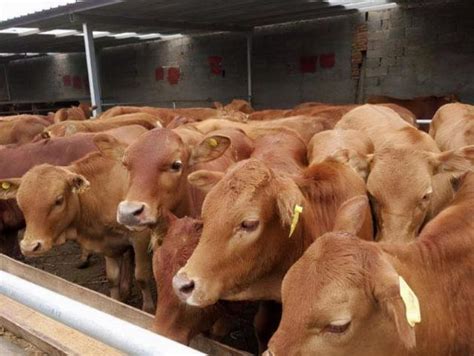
(79, 202)
(248, 215)
(344, 296)
(453, 126)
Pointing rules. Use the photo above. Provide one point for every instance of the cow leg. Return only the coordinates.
(112, 269)
(126, 274)
(266, 322)
(143, 272)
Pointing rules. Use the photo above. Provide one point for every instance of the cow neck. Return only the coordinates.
(326, 186)
(96, 208)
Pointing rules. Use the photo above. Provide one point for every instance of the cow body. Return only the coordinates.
(423, 107)
(406, 181)
(247, 217)
(452, 126)
(347, 289)
(21, 129)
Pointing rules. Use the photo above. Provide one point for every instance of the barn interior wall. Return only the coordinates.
(421, 51)
(410, 52)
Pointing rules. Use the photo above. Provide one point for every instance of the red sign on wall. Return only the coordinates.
(173, 75)
(77, 82)
(327, 60)
(308, 64)
(67, 80)
(215, 63)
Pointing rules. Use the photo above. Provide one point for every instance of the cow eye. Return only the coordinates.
(337, 327)
(249, 225)
(59, 200)
(426, 197)
(176, 166)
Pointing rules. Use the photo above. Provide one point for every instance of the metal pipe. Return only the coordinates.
(94, 80)
(106, 328)
(422, 121)
(249, 67)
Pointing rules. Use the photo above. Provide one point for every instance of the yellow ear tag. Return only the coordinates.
(6, 185)
(212, 142)
(412, 305)
(296, 215)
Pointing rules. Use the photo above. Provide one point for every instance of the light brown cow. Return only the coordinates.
(409, 179)
(78, 202)
(423, 107)
(68, 128)
(343, 297)
(248, 215)
(21, 129)
(350, 146)
(173, 154)
(235, 105)
(453, 126)
(81, 112)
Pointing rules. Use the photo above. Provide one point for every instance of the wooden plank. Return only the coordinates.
(103, 303)
(47, 334)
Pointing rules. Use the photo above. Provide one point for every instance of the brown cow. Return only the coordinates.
(81, 112)
(343, 297)
(423, 107)
(248, 216)
(78, 202)
(68, 128)
(235, 105)
(173, 154)
(407, 183)
(21, 129)
(351, 146)
(453, 126)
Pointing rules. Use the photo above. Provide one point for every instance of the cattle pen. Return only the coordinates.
(245, 177)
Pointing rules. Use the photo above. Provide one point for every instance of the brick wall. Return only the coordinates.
(421, 51)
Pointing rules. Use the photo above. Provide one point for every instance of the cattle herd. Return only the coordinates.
(348, 229)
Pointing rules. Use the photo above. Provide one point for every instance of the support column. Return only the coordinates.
(249, 67)
(94, 80)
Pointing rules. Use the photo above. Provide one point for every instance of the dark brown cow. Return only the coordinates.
(159, 163)
(423, 107)
(453, 126)
(344, 296)
(248, 216)
(78, 202)
(21, 129)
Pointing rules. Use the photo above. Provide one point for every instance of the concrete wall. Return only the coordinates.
(410, 52)
(421, 51)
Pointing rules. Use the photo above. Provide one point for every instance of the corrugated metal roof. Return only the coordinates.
(164, 17)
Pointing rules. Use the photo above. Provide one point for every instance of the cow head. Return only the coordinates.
(48, 197)
(174, 319)
(245, 241)
(403, 185)
(158, 164)
(343, 297)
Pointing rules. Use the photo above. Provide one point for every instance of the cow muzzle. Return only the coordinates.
(134, 213)
(32, 247)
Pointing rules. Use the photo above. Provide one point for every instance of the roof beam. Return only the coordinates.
(155, 24)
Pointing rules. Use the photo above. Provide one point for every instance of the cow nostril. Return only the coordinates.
(187, 288)
(139, 210)
(36, 247)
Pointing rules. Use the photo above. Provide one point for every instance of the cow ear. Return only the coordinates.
(109, 146)
(351, 215)
(387, 293)
(205, 180)
(210, 148)
(79, 184)
(359, 163)
(9, 188)
(461, 159)
(289, 197)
